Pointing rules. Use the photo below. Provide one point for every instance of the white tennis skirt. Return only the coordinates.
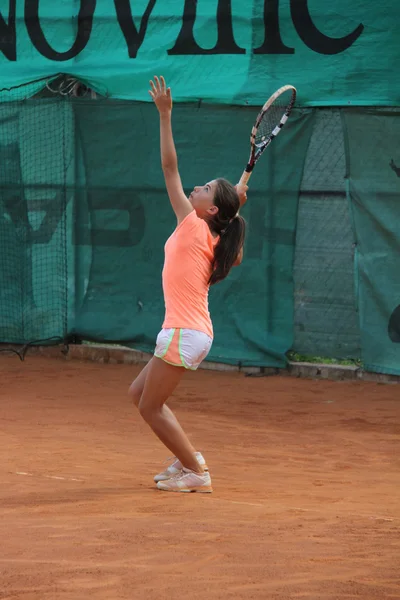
(183, 347)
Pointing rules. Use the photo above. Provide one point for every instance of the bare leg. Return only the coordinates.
(135, 393)
(160, 380)
(137, 386)
(136, 390)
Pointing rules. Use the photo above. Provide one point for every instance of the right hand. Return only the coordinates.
(161, 95)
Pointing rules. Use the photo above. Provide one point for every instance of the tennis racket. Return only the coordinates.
(271, 118)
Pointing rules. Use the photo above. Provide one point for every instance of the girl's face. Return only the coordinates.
(202, 200)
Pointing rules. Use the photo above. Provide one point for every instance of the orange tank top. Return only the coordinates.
(187, 268)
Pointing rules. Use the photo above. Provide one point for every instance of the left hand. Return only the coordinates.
(161, 95)
(242, 193)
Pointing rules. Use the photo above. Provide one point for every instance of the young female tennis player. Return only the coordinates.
(206, 243)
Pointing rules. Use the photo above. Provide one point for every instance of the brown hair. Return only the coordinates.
(230, 226)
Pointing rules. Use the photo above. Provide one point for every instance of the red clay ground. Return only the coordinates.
(306, 477)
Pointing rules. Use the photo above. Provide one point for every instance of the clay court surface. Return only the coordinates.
(306, 477)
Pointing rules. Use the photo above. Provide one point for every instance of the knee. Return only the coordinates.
(134, 394)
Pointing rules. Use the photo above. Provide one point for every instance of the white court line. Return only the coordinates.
(245, 503)
(48, 476)
(313, 510)
(289, 508)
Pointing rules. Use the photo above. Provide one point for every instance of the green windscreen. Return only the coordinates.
(123, 219)
(85, 215)
(374, 190)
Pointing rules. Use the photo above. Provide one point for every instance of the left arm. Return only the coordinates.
(169, 161)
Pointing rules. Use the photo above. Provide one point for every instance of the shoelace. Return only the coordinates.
(183, 474)
(180, 475)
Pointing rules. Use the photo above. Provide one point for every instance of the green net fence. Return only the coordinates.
(84, 185)
(326, 319)
(373, 161)
(84, 217)
(123, 219)
(33, 224)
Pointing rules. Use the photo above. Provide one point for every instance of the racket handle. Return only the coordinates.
(244, 178)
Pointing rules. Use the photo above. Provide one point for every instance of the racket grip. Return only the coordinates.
(244, 178)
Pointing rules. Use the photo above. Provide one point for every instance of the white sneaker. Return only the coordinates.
(176, 467)
(187, 481)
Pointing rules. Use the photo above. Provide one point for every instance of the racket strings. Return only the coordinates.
(272, 118)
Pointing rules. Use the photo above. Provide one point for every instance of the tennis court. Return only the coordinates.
(306, 479)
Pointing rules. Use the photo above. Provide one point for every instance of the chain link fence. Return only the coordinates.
(326, 320)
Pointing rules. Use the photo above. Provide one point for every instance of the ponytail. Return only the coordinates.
(228, 248)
